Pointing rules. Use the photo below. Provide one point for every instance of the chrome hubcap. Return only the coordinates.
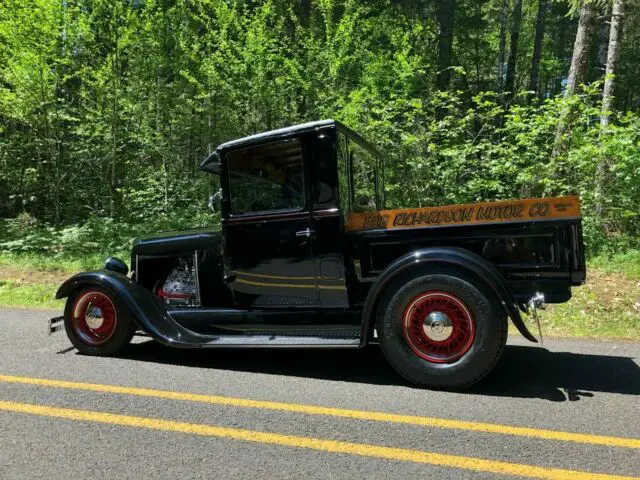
(437, 326)
(94, 317)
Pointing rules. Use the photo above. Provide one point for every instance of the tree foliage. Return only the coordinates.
(108, 106)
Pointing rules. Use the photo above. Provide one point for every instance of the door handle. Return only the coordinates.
(305, 233)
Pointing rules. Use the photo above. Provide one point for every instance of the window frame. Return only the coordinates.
(343, 165)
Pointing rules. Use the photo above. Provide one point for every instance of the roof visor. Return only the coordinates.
(211, 164)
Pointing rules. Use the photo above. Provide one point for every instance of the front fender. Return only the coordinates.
(456, 258)
(147, 311)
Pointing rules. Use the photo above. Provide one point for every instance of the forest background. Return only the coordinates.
(108, 106)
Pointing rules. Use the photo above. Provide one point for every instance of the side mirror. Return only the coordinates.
(215, 200)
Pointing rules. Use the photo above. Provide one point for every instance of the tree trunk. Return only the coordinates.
(613, 53)
(537, 46)
(304, 12)
(446, 12)
(115, 121)
(304, 16)
(578, 69)
(580, 57)
(560, 42)
(503, 45)
(509, 84)
(602, 42)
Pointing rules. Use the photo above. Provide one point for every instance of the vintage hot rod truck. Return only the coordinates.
(307, 256)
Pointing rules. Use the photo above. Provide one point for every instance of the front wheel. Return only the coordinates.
(96, 323)
(441, 331)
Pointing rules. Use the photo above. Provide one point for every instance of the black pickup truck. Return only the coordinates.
(307, 256)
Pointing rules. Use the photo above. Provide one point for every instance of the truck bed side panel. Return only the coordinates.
(544, 256)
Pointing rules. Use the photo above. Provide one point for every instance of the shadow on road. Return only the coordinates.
(535, 372)
(528, 372)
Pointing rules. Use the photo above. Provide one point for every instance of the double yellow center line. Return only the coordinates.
(333, 412)
(398, 454)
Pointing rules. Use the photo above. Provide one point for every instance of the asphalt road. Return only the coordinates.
(64, 415)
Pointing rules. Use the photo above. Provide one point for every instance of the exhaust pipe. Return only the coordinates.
(534, 304)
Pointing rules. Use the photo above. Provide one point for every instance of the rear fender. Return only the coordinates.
(457, 258)
(147, 311)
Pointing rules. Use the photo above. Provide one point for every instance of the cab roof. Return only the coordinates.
(211, 163)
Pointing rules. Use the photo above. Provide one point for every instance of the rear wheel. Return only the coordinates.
(441, 331)
(96, 323)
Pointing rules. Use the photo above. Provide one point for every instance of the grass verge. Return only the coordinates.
(30, 281)
(17, 294)
(607, 306)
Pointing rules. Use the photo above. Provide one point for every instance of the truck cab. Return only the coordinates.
(307, 255)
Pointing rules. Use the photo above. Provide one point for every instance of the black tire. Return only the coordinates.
(402, 346)
(102, 341)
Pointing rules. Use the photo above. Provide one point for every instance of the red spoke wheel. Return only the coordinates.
(94, 317)
(438, 327)
(441, 330)
(96, 323)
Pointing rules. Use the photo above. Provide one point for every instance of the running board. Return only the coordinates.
(281, 341)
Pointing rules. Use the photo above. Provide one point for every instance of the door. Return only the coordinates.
(268, 229)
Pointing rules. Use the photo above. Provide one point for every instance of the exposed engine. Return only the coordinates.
(179, 287)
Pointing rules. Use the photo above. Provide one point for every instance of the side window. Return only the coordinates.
(266, 178)
(363, 171)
